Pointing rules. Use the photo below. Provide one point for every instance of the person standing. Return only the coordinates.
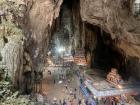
(86, 101)
(75, 89)
(79, 102)
(60, 102)
(66, 86)
(54, 81)
(64, 102)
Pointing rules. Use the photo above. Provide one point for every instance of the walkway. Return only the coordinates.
(59, 90)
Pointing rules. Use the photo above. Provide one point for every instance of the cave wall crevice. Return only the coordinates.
(41, 19)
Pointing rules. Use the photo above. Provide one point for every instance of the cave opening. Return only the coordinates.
(63, 29)
(106, 55)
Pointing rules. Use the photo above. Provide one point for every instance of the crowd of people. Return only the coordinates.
(73, 94)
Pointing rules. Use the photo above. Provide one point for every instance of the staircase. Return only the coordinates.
(84, 91)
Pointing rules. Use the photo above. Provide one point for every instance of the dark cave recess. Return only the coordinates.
(106, 55)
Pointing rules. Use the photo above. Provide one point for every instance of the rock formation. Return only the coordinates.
(11, 41)
(117, 19)
(107, 22)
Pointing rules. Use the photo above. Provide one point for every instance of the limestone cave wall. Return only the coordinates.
(116, 18)
(91, 20)
(41, 17)
(11, 40)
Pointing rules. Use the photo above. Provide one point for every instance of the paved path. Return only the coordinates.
(59, 91)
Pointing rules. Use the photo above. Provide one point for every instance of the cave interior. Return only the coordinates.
(104, 55)
(44, 33)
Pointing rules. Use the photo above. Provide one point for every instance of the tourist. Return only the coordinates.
(54, 81)
(75, 89)
(54, 101)
(64, 102)
(79, 102)
(74, 95)
(104, 100)
(60, 102)
(71, 93)
(66, 86)
(49, 72)
(83, 102)
(86, 101)
(62, 76)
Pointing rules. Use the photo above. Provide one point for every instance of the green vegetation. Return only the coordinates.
(9, 24)
(9, 96)
(10, 31)
(9, 28)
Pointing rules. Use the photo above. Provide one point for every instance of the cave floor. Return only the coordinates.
(58, 90)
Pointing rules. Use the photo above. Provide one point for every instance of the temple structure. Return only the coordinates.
(112, 86)
(79, 57)
(114, 78)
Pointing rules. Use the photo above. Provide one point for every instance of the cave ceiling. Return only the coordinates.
(113, 16)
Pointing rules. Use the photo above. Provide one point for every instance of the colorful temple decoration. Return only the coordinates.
(113, 77)
(68, 59)
(79, 57)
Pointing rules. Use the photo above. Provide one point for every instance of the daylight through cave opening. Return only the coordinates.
(64, 28)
